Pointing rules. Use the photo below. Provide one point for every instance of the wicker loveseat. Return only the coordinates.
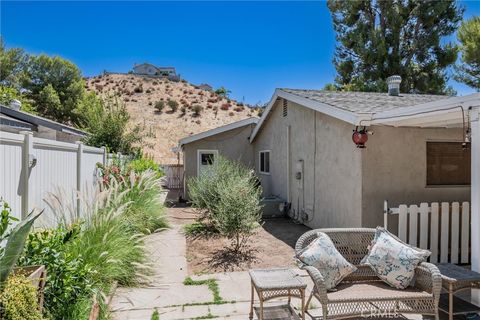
(363, 293)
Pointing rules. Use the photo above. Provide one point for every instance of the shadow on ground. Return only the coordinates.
(285, 230)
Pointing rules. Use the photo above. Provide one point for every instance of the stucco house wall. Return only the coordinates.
(394, 168)
(330, 189)
(232, 144)
(273, 137)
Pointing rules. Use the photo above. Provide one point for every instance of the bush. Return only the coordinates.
(173, 105)
(196, 110)
(138, 89)
(144, 213)
(84, 257)
(107, 122)
(159, 105)
(145, 163)
(228, 196)
(225, 106)
(68, 275)
(18, 300)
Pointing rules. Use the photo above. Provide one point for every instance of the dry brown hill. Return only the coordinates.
(162, 130)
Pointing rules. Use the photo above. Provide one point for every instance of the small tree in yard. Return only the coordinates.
(228, 197)
(173, 105)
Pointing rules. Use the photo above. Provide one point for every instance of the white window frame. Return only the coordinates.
(260, 162)
(199, 160)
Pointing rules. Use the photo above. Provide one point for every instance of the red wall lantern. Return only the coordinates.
(360, 136)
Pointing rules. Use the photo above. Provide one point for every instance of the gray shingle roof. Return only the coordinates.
(365, 102)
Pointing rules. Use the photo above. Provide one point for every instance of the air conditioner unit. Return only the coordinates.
(272, 207)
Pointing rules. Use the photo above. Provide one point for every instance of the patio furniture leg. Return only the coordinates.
(450, 302)
(260, 316)
(289, 297)
(308, 301)
(324, 312)
(302, 293)
(251, 302)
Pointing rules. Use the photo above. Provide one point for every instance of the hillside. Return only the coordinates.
(163, 129)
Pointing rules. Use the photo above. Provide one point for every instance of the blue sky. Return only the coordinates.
(250, 48)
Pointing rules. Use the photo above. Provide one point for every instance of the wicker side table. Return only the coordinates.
(275, 283)
(454, 279)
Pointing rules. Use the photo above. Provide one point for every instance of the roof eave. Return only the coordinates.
(209, 133)
(329, 110)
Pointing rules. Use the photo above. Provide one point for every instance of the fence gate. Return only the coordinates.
(443, 228)
(173, 176)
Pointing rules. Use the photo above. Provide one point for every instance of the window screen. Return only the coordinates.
(447, 164)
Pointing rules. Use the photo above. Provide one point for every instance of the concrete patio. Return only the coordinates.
(166, 292)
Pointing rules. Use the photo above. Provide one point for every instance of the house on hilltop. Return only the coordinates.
(205, 86)
(148, 69)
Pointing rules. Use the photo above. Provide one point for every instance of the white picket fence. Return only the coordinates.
(32, 167)
(443, 228)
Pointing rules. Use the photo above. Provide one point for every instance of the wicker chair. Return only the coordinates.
(363, 293)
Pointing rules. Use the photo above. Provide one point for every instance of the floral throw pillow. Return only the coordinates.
(323, 255)
(392, 260)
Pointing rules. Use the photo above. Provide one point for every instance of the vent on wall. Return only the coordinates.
(285, 108)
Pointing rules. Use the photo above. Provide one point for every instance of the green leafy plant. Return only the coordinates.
(6, 220)
(228, 197)
(155, 315)
(18, 300)
(223, 92)
(107, 122)
(145, 163)
(69, 278)
(14, 246)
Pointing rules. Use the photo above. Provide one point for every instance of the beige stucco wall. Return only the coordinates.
(233, 144)
(330, 190)
(394, 169)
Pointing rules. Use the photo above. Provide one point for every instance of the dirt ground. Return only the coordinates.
(271, 246)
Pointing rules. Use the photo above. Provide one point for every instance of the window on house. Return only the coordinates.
(207, 158)
(264, 161)
(448, 164)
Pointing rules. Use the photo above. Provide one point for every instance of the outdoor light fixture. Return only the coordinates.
(466, 130)
(360, 136)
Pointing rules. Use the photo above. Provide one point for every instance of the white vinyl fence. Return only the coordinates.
(443, 228)
(32, 167)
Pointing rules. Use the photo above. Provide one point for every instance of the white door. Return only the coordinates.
(205, 159)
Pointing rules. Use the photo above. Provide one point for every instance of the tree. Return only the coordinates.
(12, 65)
(107, 124)
(8, 94)
(222, 91)
(56, 87)
(468, 71)
(377, 39)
